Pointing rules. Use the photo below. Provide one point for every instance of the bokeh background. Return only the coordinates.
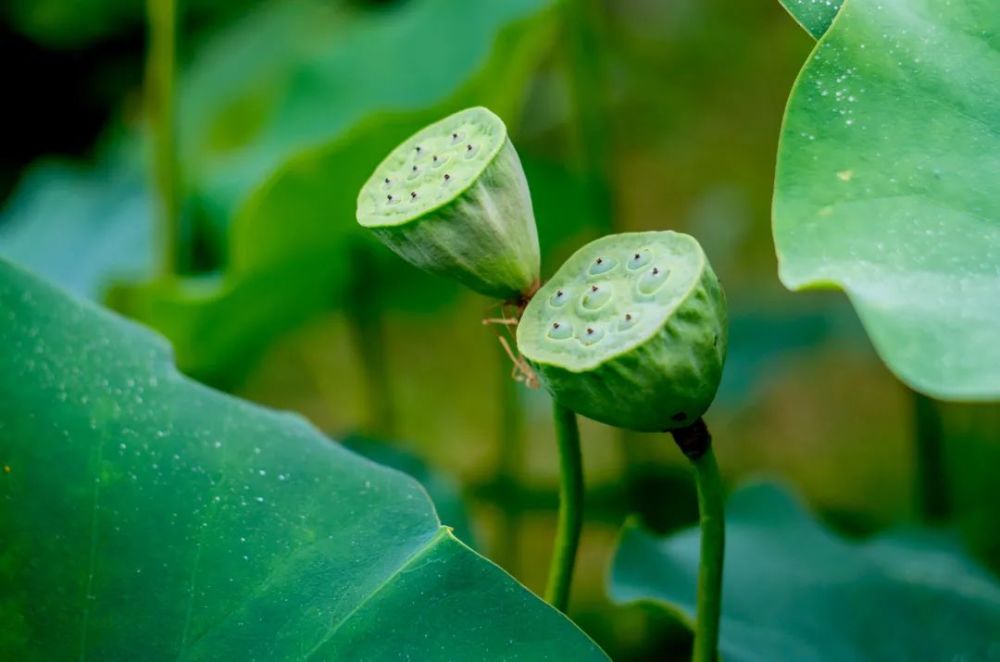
(628, 115)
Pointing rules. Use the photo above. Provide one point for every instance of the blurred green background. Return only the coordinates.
(628, 115)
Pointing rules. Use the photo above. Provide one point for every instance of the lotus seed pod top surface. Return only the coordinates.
(611, 296)
(431, 168)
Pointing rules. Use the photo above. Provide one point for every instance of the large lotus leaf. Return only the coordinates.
(443, 490)
(795, 591)
(814, 16)
(887, 185)
(145, 516)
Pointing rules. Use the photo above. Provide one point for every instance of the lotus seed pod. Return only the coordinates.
(631, 331)
(453, 200)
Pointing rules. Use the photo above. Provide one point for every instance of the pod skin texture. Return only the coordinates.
(453, 200)
(631, 331)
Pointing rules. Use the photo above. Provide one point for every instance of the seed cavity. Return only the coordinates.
(627, 321)
(560, 331)
(596, 298)
(652, 280)
(602, 265)
(591, 335)
(639, 259)
(559, 298)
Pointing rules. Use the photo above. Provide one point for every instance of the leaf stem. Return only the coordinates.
(161, 111)
(696, 443)
(570, 507)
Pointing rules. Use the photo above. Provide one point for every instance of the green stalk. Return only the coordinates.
(696, 443)
(161, 110)
(933, 502)
(570, 507)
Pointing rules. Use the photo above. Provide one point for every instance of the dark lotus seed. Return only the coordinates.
(636, 256)
(414, 168)
(389, 197)
(386, 180)
(418, 149)
(590, 331)
(559, 293)
(655, 271)
(600, 260)
(447, 176)
(413, 195)
(468, 148)
(555, 325)
(454, 136)
(435, 158)
(628, 317)
(593, 288)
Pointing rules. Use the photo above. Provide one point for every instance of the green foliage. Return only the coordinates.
(82, 226)
(886, 185)
(292, 184)
(794, 590)
(148, 516)
(278, 194)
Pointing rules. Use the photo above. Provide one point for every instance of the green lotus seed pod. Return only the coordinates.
(631, 331)
(453, 199)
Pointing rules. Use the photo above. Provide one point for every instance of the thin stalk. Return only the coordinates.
(511, 455)
(932, 490)
(161, 109)
(570, 507)
(365, 316)
(696, 443)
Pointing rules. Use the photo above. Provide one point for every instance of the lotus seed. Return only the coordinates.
(413, 195)
(651, 281)
(602, 265)
(559, 298)
(639, 260)
(447, 176)
(560, 331)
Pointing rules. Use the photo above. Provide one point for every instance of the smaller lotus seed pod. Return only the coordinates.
(631, 331)
(453, 200)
